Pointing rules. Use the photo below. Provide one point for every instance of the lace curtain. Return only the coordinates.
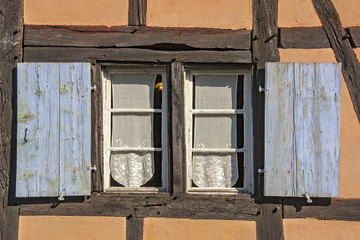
(215, 131)
(132, 91)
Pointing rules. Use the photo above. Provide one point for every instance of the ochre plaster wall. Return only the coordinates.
(187, 229)
(348, 11)
(68, 228)
(349, 126)
(297, 13)
(296, 229)
(76, 12)
(226, 14)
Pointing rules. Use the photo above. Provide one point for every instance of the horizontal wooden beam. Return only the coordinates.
(72, 54)
(327, 209)
(174, 38)
(354, 36)
(181, 206)
(301, 37)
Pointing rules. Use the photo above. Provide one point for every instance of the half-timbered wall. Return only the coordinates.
(174, 32)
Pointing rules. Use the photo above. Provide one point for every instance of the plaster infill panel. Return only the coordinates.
(71, 227)
(295, 229)
(297, 13)
(187, 229)
(349, 179)
(348, 11)
(224, 14)
(76, 12)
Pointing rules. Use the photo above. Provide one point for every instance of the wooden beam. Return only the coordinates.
(265, 41)
(302, 37)
(134, 228)
(10, 54)
(323, 208)
(155, 37)
(177, 128)
(354, 36)
(72, 54)
(142, 205)
(137, 12)
(341, 45)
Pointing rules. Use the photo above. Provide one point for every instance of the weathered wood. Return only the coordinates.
(323, 208)
(181, 206)
(97, 129)
(10, 53)
(177, 122)
(137, 12)
(134, 228)
(354, 36)
(302, 133)
(70, 54)
(302, 37)
(53, 140)
(265, 40)
(341, 45)
(150, 37)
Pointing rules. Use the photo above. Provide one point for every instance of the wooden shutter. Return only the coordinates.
(53, 130)
(302, 129)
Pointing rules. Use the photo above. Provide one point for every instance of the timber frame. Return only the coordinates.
(173, 47)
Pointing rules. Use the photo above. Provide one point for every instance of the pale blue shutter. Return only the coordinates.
(53, 130)
(302, 129)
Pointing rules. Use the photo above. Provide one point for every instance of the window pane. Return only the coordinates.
(240, 182)
(158, 92)
(240, 130)
(132, 169)
(215, 91)
(240, 92)
(215, 171)
(132, 130)
(157, 130)
(156, 180)
(133, 90)
(215, 131)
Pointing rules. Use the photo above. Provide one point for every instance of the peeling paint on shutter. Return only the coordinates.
(53, 130)
(302, 129)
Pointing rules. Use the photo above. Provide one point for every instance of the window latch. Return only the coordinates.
(308, 199)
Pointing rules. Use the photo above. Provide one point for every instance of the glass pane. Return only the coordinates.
(132, 130)
(215, 171)
(215, 91)
(158, 92)
(132, 169)
(157, 130)
(240, 130)
(131, 91)
(215, 131)
(156, 180)
(240, 92)
(240, 182)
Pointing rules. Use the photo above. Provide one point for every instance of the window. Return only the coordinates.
(219, 131)
(135, 129)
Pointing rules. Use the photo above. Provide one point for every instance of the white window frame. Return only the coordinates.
(106, 83)
(248, 136)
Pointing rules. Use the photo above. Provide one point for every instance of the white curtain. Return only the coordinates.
(132, 91)
(215, 131)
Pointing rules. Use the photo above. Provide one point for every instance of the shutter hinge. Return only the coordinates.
(93, 168)
(262, 171)
(263, 90)
(93, 88)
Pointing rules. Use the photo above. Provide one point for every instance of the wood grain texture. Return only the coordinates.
(354, 36)
(341, 45)
(302, 133)
(11, 35)
(53, 140)
(137, 12)
(145, 205)
(323, 208)
(178, 154)
(149, 37)
(71, 54)
(270, 215)
(302, 37)
(134, 228)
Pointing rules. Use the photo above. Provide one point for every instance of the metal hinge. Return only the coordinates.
(93, 168)
(93, 88)
(262, 171)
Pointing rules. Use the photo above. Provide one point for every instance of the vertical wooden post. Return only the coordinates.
(177, 127)
(265, 40)
(10, 54)
(137, 12)
(134, 228)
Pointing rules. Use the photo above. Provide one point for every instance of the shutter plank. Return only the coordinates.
(37, 171)
(315, 131)
(278, 130)
(75, 131)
